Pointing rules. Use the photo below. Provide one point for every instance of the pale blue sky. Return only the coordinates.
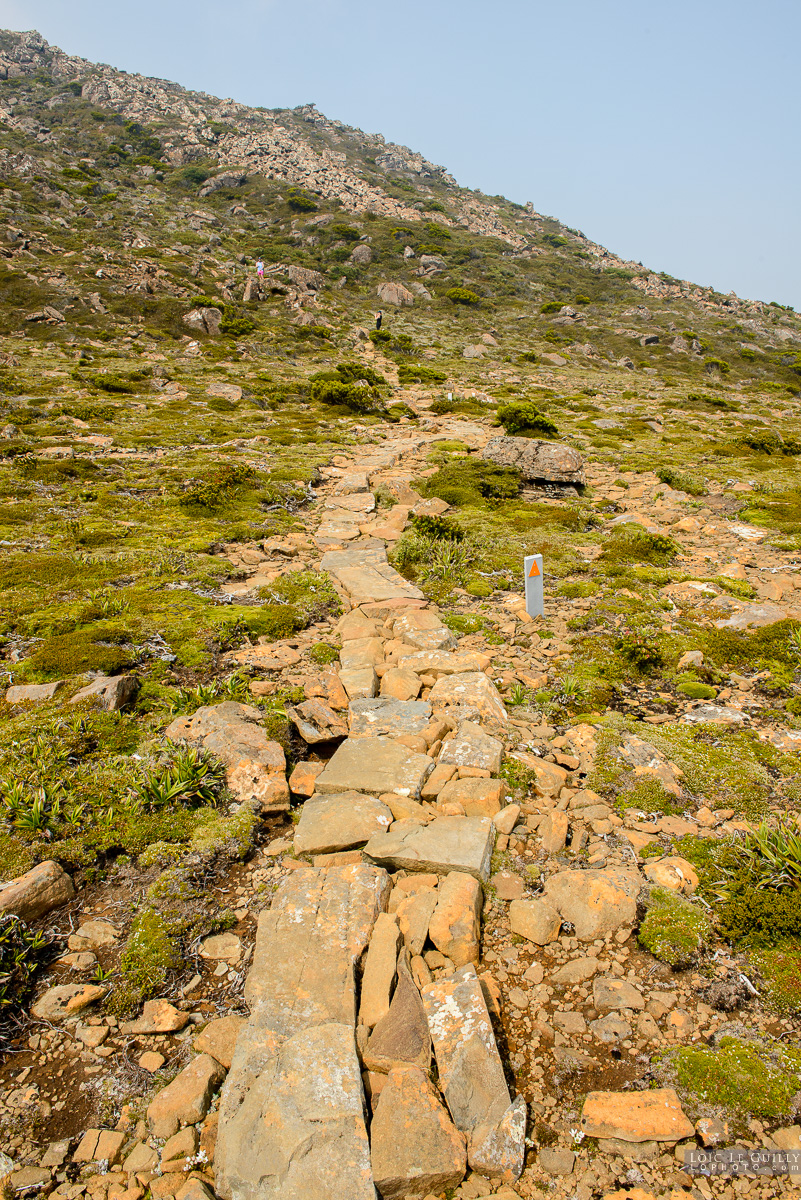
(668, 133)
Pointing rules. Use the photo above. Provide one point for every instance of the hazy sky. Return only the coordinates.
(668, 133)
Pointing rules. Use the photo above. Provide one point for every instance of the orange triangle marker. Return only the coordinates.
(534, 569)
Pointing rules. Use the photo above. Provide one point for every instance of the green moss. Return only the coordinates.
(98, 648)
(309, 592)
(780, 968)
(151, 952)
(631, 543)
(230, 837)
(478, 588)
(322, 653)
(648, 796)
(674, 930)
(744, 1077)
(697, 691)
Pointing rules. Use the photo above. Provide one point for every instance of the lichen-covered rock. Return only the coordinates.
(416, 1149)
(551, 462)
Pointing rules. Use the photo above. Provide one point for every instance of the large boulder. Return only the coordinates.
(550, 462)
(204, 320)
(395, 293)
(46, 886)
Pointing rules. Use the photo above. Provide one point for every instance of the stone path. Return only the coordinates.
(291, 1116)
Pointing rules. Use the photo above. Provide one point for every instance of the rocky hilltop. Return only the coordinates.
(328, 869)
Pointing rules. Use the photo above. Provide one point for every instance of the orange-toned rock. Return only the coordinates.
(478, 797)
(636, 1116)
(302, 779)
(416, 1149)
(455, 927)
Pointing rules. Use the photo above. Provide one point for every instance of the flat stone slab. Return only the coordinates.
(301, 1133)
(291, 1112)
(44, 887)
(339, 822)
(442, 662)
(445, 844)
(375, 765)
(391, 718)
(416, 1149)
(471, 1075)
(473, 690)
(635, 1116)
(471, 747)
(366, 575)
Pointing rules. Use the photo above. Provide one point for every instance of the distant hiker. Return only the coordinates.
(378, 319)
(260, 269)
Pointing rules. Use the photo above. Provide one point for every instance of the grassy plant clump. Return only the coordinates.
(152, 951)
(21, 952)
(631, 543)
(217, 487)
(523, 418)
(748, 1078)
(190, 779)
(674, 930)
(648, 796)
(411, 373)
(352, 396)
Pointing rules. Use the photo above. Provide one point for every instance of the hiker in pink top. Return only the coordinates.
(260, 269)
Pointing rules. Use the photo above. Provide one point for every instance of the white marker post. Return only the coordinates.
(535, 598)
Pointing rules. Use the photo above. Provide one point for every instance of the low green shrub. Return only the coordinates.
(437, 528)
(462, 295)
(300, 201)
(631, 543)
(522, 417)
(551, 306)
(102, 647)
(323, 653)
(347, 395)
(471, 481)
(409, 373)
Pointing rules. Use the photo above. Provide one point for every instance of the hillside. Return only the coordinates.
(261, 586)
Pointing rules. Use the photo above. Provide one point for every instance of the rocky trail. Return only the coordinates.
(436, 1001)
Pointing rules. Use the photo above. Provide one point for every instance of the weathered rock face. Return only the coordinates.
(32, 693)
(300, 1133)
(446, 844)
(66, 1000)
(291, 1114)
(471, 1075)
(383, 716)
(472, 689)
(45, 887)
(550, 462)
(455, 927)
(233, 733)
(186, 1100)
(471, 747)
(416, 1149)
(595, 902)
(375, 765)
(380, 965)
(339, 822)
(110, 692)
(316, 722)
(204, 320)
(395, 293)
